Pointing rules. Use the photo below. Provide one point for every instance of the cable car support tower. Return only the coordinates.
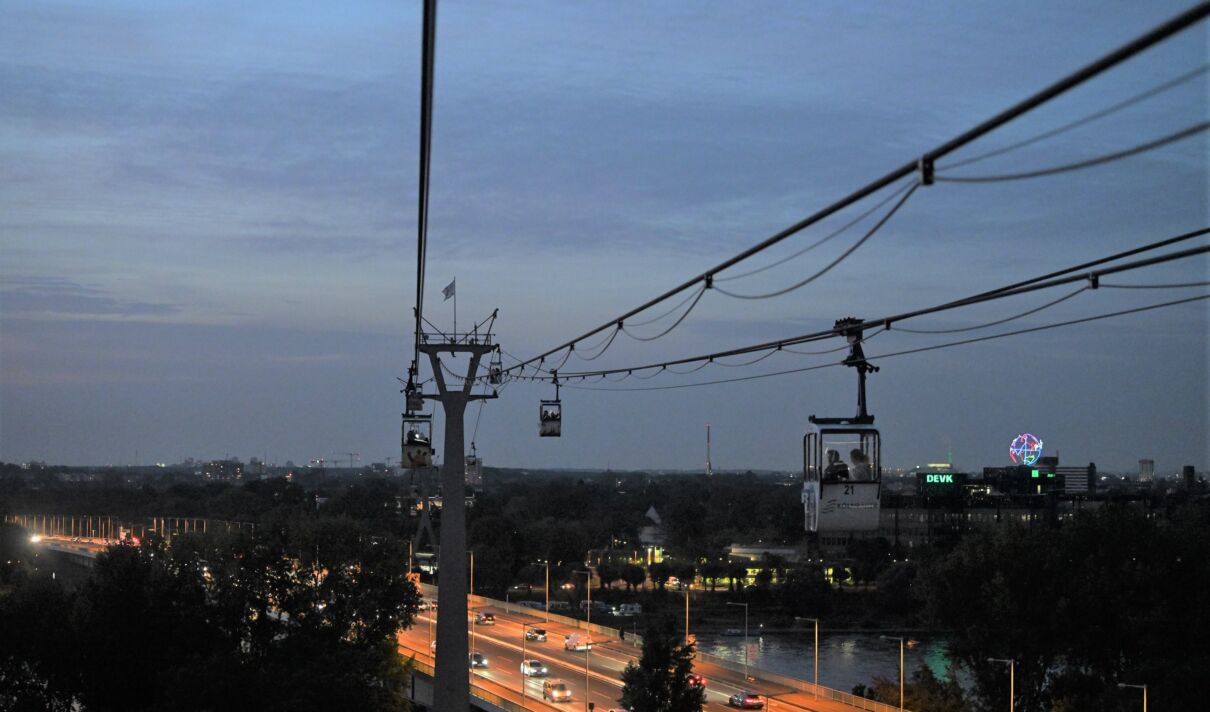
(451, 682)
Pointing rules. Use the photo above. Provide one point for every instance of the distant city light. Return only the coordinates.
(1025, 449)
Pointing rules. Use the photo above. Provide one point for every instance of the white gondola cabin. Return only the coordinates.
(842, 475)
(417, 440)
(842, 458)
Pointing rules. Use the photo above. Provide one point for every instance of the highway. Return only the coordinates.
(503, 643)
(80, 546)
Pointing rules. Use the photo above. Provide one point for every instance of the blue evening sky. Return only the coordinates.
(207, 223)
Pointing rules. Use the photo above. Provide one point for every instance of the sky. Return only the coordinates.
(208, 225)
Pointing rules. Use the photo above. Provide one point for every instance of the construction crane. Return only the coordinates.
(352, 457)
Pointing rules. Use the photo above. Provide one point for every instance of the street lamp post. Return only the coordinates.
(1137, 687)
(745, 605)
(687, 587)
(1012, 664)
(816, 622)
(588, 644)
(890, 637)
(547, 590)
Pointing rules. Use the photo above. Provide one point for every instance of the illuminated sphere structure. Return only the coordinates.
(1025, 449)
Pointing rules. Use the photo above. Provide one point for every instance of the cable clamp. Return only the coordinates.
(709, 281)
(925, 166)
(1094, 280)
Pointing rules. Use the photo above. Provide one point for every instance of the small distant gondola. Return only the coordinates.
(550, 415)
(495, 369)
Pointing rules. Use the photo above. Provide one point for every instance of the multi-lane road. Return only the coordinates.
(504, 643)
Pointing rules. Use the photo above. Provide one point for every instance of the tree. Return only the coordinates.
(1114, 595)
(712, 571)
(660, 574)
(685, 573)
(896, 592)
(924, 691)
(15, 550)
(659, 682)
(608, 573)
(234, 622)
(633, 575)
(737, 575)
(870, 557)
(37, 661)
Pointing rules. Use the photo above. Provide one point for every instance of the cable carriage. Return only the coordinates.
(495, 369)
(417, 440)
(550, 415)
(842, 458)
(473, 467)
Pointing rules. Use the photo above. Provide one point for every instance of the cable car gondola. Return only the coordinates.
(840, 496)
(550, 415)
(473, 467)
(495, 369)
(417, 441)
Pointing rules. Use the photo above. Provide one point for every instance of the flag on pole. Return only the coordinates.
(448, 291)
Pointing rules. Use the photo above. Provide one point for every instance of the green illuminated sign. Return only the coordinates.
(940, 484)
(1034, 474)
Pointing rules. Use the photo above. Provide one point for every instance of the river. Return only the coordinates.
(845, 659)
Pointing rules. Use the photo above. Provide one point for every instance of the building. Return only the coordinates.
(1146, 470)
(223, 470)
(760, 552)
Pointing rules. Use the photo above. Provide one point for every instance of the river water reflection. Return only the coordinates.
(845, 659)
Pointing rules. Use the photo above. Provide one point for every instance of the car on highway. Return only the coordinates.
(696, 680)
(477, 660)
(577, 643)
(556, 691)
(745, 701)
(534, 668)
(538, 634)
(485, 619)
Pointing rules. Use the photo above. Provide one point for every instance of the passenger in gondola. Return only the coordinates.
(415, 438)
(860, 471)
(836, 469)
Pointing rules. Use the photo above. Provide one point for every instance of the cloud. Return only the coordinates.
(26, 296)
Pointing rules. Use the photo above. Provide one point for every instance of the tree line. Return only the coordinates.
(300, 616)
